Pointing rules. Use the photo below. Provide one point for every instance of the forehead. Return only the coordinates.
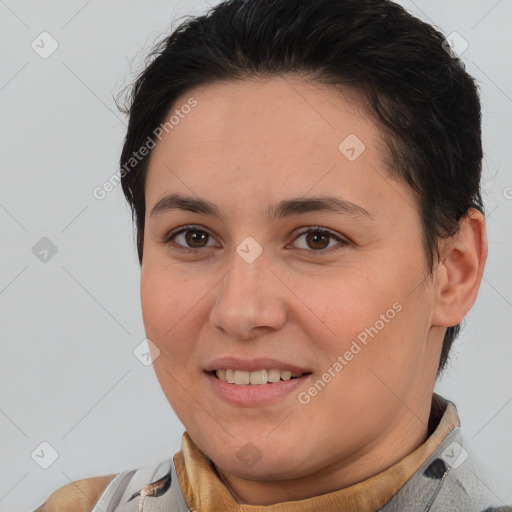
(252, 112)
(258, 138)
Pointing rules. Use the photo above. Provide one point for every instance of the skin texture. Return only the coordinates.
(250, 144)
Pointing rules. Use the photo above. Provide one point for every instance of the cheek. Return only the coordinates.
(167, 321)
(373, 317)
(354, 304)
(166, 304)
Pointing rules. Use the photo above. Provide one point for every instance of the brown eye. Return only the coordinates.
(317, 240)
(189, 239)
(196, 238)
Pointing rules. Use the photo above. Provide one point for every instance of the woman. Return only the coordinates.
(305, 182)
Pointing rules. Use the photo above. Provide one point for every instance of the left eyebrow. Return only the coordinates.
(303, 205)
(285, 208)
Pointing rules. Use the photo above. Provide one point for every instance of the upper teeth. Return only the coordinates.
(257, 377)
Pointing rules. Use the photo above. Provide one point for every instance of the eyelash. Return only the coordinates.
(315, 229)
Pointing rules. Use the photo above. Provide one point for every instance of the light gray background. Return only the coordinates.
(68, 375)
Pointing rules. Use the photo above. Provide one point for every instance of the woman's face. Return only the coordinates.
(349, 310)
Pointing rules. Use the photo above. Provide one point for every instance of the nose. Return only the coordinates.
(250, 300)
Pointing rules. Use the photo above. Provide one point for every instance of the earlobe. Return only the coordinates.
(460, 270)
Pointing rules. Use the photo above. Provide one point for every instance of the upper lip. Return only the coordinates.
(251, 365)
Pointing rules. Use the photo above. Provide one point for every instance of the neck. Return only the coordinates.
(391, 447)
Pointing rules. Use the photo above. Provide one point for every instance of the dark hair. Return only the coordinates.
(425, 103)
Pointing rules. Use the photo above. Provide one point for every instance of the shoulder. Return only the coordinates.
(79, 496)
(118, 489)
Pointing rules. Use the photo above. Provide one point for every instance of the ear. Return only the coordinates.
(460, 270)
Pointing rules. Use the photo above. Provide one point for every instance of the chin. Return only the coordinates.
(258, 461)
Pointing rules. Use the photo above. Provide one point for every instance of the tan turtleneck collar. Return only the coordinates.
(204, 491)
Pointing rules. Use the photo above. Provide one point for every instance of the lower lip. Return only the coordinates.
(255, 394)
